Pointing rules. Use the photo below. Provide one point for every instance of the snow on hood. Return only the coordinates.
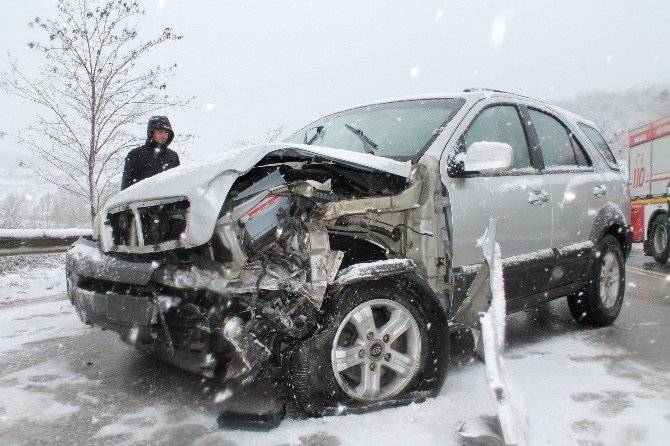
(206, 183)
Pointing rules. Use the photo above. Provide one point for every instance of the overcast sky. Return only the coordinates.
(256, 63)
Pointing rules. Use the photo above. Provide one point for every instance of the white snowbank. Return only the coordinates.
(31, 277)
(44, 233)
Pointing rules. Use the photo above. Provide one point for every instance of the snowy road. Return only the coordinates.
(64, 383)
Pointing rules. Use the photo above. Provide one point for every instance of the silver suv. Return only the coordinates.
(335, 259)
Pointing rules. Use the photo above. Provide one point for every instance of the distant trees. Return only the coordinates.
(13, 212)
(90, 89)
(616, 113)
(51, 210)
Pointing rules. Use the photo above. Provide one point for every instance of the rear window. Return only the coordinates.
(604, 149)
(558, 147)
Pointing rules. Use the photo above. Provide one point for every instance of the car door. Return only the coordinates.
(579, 192)
(517, 198)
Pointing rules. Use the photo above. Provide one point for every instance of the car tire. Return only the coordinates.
(352, 363)
(660, 239)
(600, 301)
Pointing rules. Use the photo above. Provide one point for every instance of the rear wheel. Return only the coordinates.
(375, 348)
(659, 240)
(599, 303)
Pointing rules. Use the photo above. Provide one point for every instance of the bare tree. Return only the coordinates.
(90, 90)
(13, 211)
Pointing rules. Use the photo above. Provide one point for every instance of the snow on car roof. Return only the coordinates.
(473, 94)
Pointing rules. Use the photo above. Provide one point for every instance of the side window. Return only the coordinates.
(597, 139)
(500, 124)
(559, 147)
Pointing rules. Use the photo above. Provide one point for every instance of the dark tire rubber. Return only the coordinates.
(312, 380)
(587, 306)
(660, 230)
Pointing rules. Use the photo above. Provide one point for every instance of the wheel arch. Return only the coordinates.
(438, 331)
(611, 221)
(312, 394)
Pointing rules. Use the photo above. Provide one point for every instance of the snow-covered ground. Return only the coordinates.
(64, 383)
(31, 277)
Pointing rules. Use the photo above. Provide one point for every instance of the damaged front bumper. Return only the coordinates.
(153, 307)
(108, 292)
(118, 295)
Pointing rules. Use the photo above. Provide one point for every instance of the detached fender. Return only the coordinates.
(362, 272)
(401, 270)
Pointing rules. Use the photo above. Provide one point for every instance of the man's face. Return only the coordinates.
(159, 135)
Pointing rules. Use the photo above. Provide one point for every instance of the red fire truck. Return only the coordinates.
(649, 184)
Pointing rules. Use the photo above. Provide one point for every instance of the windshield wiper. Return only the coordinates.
(319, 129)
(367, 142)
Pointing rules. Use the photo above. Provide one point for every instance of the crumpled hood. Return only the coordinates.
(207, 183)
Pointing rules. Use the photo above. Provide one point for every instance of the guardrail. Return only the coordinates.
(38, 241)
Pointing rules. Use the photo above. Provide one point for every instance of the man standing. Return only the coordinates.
(154, 156)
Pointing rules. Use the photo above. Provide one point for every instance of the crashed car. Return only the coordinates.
(335, 260)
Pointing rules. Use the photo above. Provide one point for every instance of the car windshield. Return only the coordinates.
(401, 130)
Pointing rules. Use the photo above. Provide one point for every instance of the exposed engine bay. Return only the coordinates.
(291, 234)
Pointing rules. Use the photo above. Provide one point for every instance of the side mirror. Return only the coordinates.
(489, 157)
(482, 157)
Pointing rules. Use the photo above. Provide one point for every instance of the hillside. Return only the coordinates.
(617, 112)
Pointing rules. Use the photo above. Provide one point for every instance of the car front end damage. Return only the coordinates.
(292, 233)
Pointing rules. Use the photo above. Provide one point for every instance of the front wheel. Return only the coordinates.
(599, 303)
(376, 351)
(375, 348)
(660, 246)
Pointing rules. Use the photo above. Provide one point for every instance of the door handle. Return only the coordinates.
(538, 197)
(599, 191)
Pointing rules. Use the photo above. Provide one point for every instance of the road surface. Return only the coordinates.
(64, 383)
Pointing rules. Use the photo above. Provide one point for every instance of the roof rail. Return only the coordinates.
(468, 90)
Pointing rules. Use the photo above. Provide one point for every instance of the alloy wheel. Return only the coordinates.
(609, 280)
(376, 351)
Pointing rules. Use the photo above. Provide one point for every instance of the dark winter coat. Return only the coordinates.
(151, 158)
